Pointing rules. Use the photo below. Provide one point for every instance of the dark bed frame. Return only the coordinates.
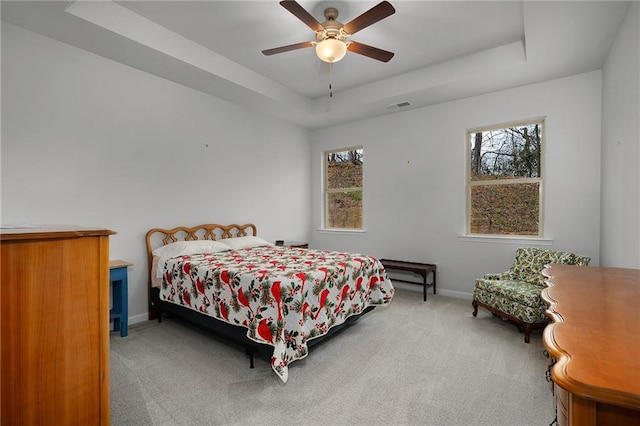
(157, 237)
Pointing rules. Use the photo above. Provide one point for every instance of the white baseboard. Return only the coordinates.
(453, 293)
(439, 291)
(133, 320)
(139, 318)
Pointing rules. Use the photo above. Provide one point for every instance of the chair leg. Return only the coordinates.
(528, 328)
(520, 325)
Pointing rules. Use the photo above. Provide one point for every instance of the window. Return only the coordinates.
(505, 179)
(343, 188)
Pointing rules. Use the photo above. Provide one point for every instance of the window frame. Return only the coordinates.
(326, 191)
(539, 180)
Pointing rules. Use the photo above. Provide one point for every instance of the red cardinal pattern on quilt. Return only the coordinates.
(283, 296)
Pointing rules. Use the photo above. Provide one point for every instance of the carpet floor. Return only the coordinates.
(411, 363)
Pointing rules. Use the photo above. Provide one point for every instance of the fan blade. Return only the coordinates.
(370, 51)
(300, 13)
(373, 15)
(283, 49)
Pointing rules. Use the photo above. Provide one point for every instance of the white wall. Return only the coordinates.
(620, 230)
(414, 178)
(88, 141)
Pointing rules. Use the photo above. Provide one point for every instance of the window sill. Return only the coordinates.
(359, 232)
(506, 239)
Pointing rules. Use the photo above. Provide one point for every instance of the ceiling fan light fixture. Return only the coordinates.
(331, 36)
(331, 50)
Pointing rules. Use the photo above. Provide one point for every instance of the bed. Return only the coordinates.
(262, 296)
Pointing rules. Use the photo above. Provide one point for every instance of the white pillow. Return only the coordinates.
(238, 243)
(184, 248)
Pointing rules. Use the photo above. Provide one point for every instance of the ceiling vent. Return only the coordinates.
(396, 106)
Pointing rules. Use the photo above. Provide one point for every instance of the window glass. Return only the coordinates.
(343, 188)
(505, 180)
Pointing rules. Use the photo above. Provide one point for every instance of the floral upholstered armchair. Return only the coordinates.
(515, 294)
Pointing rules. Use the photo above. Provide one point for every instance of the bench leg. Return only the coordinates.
(424, 287)
(424, 278)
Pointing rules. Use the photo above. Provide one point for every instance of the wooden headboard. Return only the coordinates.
(158, 237)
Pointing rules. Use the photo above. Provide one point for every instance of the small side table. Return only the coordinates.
(292, 244)
(120, 309)
(296, 244)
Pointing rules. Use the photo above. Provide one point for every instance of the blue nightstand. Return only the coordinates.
(120, 307)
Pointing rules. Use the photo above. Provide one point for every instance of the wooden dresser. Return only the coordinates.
(595, 342)
(54, 310)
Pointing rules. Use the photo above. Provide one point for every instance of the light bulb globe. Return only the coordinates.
(331, 50)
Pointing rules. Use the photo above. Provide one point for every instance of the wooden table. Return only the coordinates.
(595, 341)
(422, 269)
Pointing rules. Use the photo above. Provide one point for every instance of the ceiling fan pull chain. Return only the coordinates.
(330, 79)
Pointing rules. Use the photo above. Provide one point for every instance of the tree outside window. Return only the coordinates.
(343, 188)
(505, 180)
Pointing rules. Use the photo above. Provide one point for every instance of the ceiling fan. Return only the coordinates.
(331, 36)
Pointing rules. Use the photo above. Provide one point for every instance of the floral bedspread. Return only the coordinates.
(283, 296)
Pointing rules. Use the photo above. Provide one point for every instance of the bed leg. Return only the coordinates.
(159, 317)
(250, 353)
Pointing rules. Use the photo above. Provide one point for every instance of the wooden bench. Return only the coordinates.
(422, 269)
